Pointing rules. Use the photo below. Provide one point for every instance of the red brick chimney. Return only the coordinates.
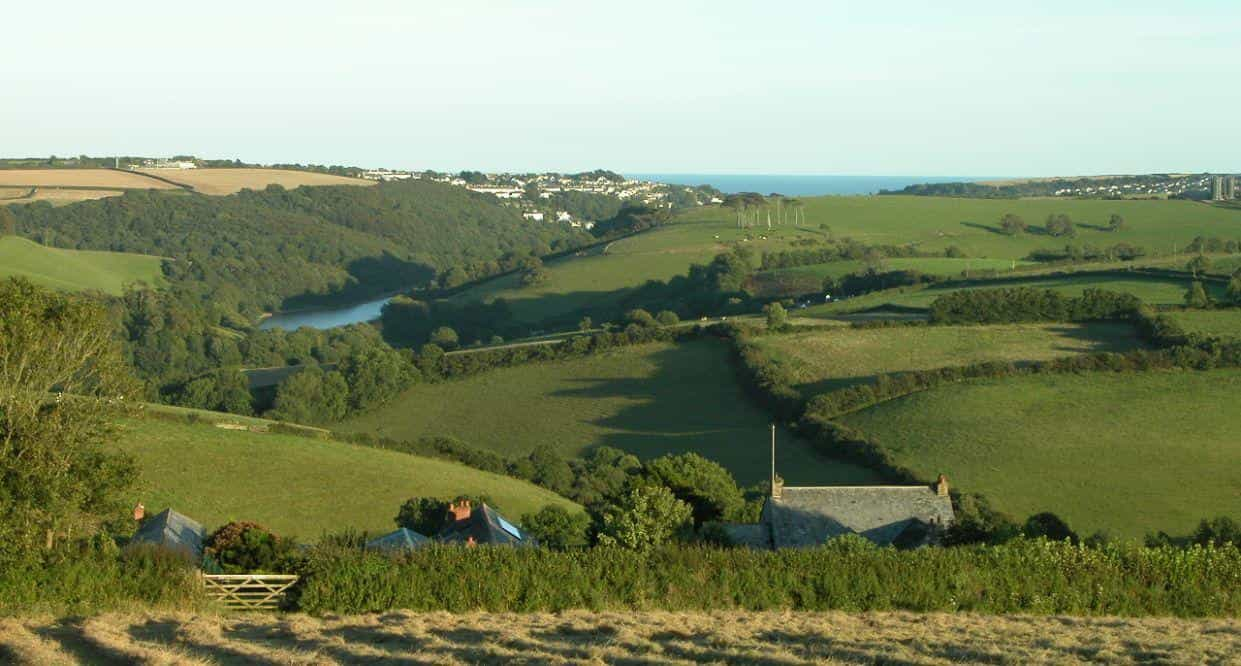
(459, 511)
(941, 486)
(140, 512)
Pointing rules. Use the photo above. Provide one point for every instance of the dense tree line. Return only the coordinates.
(1027, 304)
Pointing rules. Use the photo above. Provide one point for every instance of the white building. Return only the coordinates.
(537, 217)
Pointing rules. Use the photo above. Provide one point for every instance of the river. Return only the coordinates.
(326, 317)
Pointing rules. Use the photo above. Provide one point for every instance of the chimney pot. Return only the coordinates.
(941, 486)
(140, 511)
(458, 511)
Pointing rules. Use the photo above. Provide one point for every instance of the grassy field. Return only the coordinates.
(228, 181)
(84, 178)
(770, 638)
(1223, 323)
(76, 270)
(298, 485)
(1151, 289)
(1127, 453)
(935, 223)
(832, 358)
(649, 400)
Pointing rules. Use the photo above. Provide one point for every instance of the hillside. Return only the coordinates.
(261, 249)
(75, 270)
(1223, 323)
(81, 178)
(649, 400)
(229, 181)
(297, 485)
(1125, 453)
(833, 358)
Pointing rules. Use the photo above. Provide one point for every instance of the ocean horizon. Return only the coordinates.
(799, 185)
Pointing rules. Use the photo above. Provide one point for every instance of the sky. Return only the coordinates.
(819, 87)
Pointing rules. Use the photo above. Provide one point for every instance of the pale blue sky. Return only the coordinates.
(902, 88)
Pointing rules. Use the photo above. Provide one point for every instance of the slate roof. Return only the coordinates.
(174, 531)
(901, 515)
(487, 527)
(400, 540)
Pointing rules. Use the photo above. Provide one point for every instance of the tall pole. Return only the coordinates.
(773, 460)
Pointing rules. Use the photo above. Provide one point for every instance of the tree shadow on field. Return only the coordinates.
(167, 633)
(71, 636)
(692, 402)
(1098, 337)
(984, 227)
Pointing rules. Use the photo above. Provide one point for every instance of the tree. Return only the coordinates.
(241, 547)
(556, 527)
(1012, 224)
(1234, 290)
(1196, 296)
(8, 222)
(311, 396)
(1115, 223)
(1048, 525)
(1198, 265)
(444, 337)
(777, 316)
(1221, 530)
(62, 382)
(1060, 225)
(585, 324)
(550, 470)
(704, 484)
(641, 318)
(644, 517)
(667, 318)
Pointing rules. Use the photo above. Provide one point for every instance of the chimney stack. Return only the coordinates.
(459, 511)
(941, 486)
(140, 512)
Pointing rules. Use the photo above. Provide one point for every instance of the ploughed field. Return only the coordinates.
(1125, 453)
(831, 358)
(298, 486)
(649, 400)
(76, 270)
(609, 637)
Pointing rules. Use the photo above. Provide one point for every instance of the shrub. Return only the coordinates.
(556, 527)
(643, 518)
(243, 547)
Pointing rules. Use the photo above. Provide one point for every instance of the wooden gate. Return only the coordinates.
(248, 591)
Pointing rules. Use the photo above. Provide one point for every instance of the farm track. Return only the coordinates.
(772, 638)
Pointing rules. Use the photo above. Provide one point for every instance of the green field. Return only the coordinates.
(1223, 323)
(1127, 453)
(1151, 289)
(649, 400)
(833, 358)
(297, 485)
(935, 223)
(931, 223)
(76, 270)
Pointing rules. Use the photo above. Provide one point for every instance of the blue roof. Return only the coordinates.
(174, 531)
(401, 539)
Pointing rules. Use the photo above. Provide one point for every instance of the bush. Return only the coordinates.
(645, 517)
(555, 527)
(242, 547)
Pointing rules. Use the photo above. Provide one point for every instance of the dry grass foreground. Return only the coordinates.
(229, 181)
(775, 638)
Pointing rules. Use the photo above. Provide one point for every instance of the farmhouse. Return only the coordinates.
(799, 517)
(480, 526)
(171, 530)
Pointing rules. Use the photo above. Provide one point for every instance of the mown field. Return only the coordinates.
(83, 178)
(833, 358)
(297, 485)
(57, 196)
(771, 638)
(649, 400)
(228, 181)
(1224, 323)
(76, 270)
(1125, 453)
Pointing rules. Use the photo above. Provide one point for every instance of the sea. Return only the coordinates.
(799, 185)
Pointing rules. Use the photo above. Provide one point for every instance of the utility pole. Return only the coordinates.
(773, 460)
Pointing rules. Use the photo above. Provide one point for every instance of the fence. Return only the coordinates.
(248, 591)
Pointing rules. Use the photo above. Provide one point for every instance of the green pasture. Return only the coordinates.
(297, 485)
(649, 400)
(76, 270)
(832, 358)
(1126, 453)
(1224, 323)
(935, 223)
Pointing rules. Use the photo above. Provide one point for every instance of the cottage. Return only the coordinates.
(403, 539)
(483, 525)
(171, 530)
